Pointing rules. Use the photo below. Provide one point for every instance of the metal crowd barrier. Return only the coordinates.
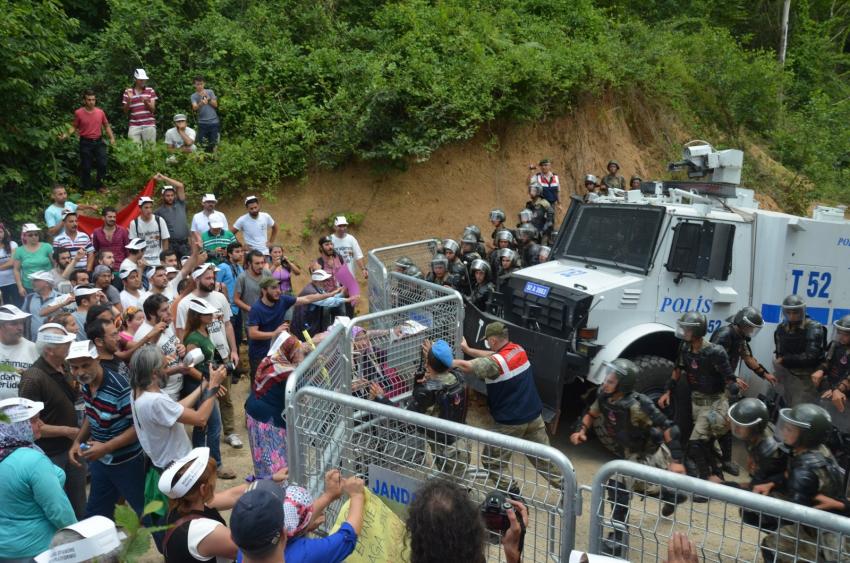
(733, 525)
(390, 443)
(381, 263)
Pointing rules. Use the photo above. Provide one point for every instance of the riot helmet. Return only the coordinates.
(439, 261)
(626, 372)
(749, 321)
(533, 190)
(468, 243)
(402, 264)
(842, 329)
(590, 179)
(414, 272)
(694, 323)
(451, 245)
(526, 232)
(806, 426)
(475, 230)
(505, 235)
(526, 215)
(479, 265)
(748, 418)
(497, 215)
(543, 254)
(508, 253)
(533, 253)
(794, 309)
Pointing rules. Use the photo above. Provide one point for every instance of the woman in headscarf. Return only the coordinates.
(33, 503)
(265, 404)
(370, 365)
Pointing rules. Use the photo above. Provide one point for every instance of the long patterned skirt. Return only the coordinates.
(268, 447)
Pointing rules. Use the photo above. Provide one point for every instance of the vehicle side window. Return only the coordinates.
(702, 249)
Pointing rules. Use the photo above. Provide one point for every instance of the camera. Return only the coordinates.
(494, 512)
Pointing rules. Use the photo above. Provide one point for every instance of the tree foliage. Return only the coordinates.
(320, 83)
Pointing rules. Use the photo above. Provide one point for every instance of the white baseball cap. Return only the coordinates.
(125, 273)
(199, 270)
(251, 198)
(208, 197)
(144, 199)
(136, 244)
(19, 409)
(43, 276)
(51, 337)
(216, 223)
(83, 290)
(340, 220)
(168, 187)
(201, 306)
(320, 275)
(171, 270)
(12, 313)
(81, 349)
(30, 228)
(140, 74)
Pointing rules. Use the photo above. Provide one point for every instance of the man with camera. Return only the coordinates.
(512, 399)
(205, 102)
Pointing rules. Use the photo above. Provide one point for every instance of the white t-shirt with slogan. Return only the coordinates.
(215, 328)
(14, 360)
(349, 249)
(153, 232)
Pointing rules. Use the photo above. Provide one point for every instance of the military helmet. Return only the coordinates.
(497, 215)
(793, 303)
(505, 234)
(451, 244)
(813, 422)
(439, 260)
(591, 179)
(614, 162)
(842, 324)
(635, 177)
(474, 229)
(627, 374)
(469, 238)
(526, 215)
(749, 320)
(527, 230)
(479, 265)
(747, 416)
(545, 251)
(693, 321)
(414, 272)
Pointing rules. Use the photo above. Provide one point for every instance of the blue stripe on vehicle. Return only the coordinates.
(820, 314)
(838, 313)
(773, 313)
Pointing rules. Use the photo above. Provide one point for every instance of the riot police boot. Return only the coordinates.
(727, 465)
(669, 499)
(698, 452)
(616, 544)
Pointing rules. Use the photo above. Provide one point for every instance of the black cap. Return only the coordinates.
(256, 522)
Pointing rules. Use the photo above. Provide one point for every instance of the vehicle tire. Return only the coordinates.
(654, 374)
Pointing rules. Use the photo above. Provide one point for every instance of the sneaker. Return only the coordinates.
(233, 441)
(226, 474)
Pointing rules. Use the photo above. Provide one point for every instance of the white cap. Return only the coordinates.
(320, 275)
(99, 537)
(201, 306)
(171, 270)
(136, 244)
(144, 199)
(140, 74)
(251, 198)
(340, 220)
(29, 228)
(83, 290)
(43, 276)
(66, 212)
(199, 270)
(51, 337)
(19, 409)
(12, 313)
(198, 459)
(216, 223)
(167, 187)
(124, 273)
(208, 197)
(81, 349)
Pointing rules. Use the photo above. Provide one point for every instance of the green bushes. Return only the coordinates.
(303, 82)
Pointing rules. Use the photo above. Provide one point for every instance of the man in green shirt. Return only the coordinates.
(216, 241)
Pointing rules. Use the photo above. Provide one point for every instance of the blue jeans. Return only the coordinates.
(208, 135)
(210, 435)
(111, 482)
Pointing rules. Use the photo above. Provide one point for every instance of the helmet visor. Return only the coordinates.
(794, 313)
(839, 331)
(685, 331)
(749, 328)
(611, 367)
(789, 430)
(742, 430)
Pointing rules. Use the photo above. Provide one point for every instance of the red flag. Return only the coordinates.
(125, 216)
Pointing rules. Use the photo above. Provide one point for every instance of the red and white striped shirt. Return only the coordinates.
(139, 114)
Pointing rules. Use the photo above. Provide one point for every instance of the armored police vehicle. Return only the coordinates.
(627, 265)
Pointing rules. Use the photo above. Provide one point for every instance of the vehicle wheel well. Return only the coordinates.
(663, 344)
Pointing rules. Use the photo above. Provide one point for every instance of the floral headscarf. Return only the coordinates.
(276, 368)
(15, 435)
(297, 510)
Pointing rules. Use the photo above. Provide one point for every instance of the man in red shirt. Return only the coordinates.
(89, 124)
(140, 103)
(111, 237)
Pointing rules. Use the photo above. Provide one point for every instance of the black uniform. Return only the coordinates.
(448, 279)
(481, 294)
(836, 367)
(543, 217)
(737, 345)
(801, 348)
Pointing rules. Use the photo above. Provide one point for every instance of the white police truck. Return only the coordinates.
(627, 265)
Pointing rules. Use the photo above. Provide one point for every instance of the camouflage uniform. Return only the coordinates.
(613, 181)
(836, 375)
(543, 218)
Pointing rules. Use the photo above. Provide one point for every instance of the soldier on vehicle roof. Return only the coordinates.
(542, 214)
(709, 376)
(613, 178)
(832, 379)
(592, 188)
(648, 437)
(800, 345)
(634, 182)
(735, 338)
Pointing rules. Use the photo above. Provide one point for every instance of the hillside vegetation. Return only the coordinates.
(306, 83)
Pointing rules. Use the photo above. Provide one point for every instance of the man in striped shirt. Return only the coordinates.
(216, 241)
(78, 242)
(107, 439)
(140, 103)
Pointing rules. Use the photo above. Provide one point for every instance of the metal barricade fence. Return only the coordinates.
(374, 439)
(381, 262)
(732, 525)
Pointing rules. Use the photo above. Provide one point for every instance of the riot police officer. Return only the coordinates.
(647, 436)
(543, 254)
(526, 236)
(439, 273)
(813, 478)
(497, 219)
(800, 343)
(709, 376)
(832, 379)
(766, 459)
(542, 214)
(469, 249)
(402, 264)
(479, 244)
(735, 338)
(482, 287)
(452, 251)
(504, 239)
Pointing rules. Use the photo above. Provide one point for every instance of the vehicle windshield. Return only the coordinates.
(623, 236)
